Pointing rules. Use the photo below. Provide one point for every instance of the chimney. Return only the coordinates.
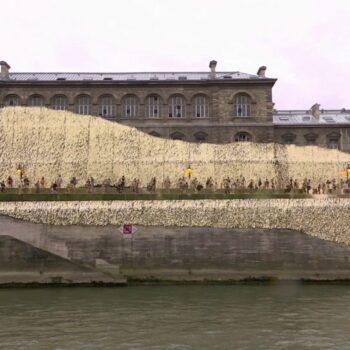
(4, 75)
(315, 110)
(261, 72)
(212, 66)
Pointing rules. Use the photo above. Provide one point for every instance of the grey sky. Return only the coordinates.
(304, 43)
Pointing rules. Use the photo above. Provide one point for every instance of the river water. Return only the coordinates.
(292, 316)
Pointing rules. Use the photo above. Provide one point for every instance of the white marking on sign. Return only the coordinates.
(127, 230)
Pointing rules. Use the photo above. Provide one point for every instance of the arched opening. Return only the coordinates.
(200, 136)
(83, 105)
(59, 103)
(36, 101)
(153, 106)
(177, 107)
(12, 100)
(333, 140)
(288, 138)
(200, 106)
(242, 105)
(130, 104)
(177, 135)
(154, 133)
(106, 106)
(311, 138)
(243, 137)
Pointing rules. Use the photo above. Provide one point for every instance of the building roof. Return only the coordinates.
(140, 76)
(301, 117)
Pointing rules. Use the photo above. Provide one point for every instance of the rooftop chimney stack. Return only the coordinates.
(212, 66)
(5, 68)
(261, 72)
(315, 110)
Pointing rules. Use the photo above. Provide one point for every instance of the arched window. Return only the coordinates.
(177, 135)
(36, 101)
(333, 140)
(311, 138)
(83, 104)
(200, 107)
(130, 106)
(288, 138)
(177, 107)
(200, 136)
(59, 103)
(154, 133)
(241, 107)
(106, 107)
(152, 106)
(243, 137)
(12, 100)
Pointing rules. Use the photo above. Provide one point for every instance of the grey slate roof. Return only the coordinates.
(146, 76)
(327, 117)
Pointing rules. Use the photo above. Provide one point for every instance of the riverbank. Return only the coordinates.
(325, 218)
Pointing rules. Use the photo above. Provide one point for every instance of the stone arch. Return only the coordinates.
(242, 105)
(201, 136)
(200, 105)
(333, 140)
(288, 138)
(59, 102)
(177, 106)
(107, 106)
(83, 104)
(36, 100)
(12, 100)
(311, 138)
(130, 105)
(153, 105)
(154, 133)
(177, 135)
(242, 92)
(243, 136)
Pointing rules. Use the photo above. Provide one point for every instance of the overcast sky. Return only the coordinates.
(303, 43)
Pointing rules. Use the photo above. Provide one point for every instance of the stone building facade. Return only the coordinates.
(209, 106)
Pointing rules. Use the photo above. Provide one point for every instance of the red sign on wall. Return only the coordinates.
(127, 230)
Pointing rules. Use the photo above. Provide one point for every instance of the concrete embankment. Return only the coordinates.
(178, 240)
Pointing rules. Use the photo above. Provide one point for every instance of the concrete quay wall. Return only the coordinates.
(325, 218)
(182, 240)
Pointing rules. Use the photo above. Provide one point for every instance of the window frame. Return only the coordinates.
(200, 106)
(152, 109)
(59, 106)
(130, 106)
(85, 107)
(107, 110)
(242, 105)
(177, 107)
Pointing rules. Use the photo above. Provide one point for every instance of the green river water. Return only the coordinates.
(292, 316)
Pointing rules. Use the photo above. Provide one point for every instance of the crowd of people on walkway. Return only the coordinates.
(183, 184)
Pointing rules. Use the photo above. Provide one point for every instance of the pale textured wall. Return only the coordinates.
(50, 143)
(327, 219)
